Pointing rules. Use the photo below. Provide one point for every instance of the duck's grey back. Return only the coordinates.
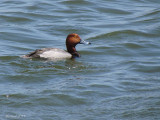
(49, 53)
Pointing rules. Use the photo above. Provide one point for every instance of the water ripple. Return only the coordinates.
(117, 77)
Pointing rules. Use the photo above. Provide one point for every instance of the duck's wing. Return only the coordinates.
(37, 52)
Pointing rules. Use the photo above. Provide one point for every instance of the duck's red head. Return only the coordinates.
(71, 41)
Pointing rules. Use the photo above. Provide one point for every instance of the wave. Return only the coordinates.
(124, 32)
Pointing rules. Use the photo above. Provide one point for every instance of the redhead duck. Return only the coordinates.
(55, 53)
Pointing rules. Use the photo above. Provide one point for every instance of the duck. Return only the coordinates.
(56, 53)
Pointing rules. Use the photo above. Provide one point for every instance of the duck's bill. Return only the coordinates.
(84, 42)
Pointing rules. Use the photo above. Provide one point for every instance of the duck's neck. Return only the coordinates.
(72, 50)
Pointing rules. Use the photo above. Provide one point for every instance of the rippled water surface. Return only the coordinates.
(116, 78)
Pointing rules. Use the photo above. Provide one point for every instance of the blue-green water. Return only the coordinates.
(116, 78)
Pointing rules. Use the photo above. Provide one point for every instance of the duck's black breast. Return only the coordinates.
(75, 54)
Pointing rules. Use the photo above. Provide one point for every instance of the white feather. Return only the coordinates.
(56, 54)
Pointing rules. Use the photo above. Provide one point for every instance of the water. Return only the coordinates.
(116, 78)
